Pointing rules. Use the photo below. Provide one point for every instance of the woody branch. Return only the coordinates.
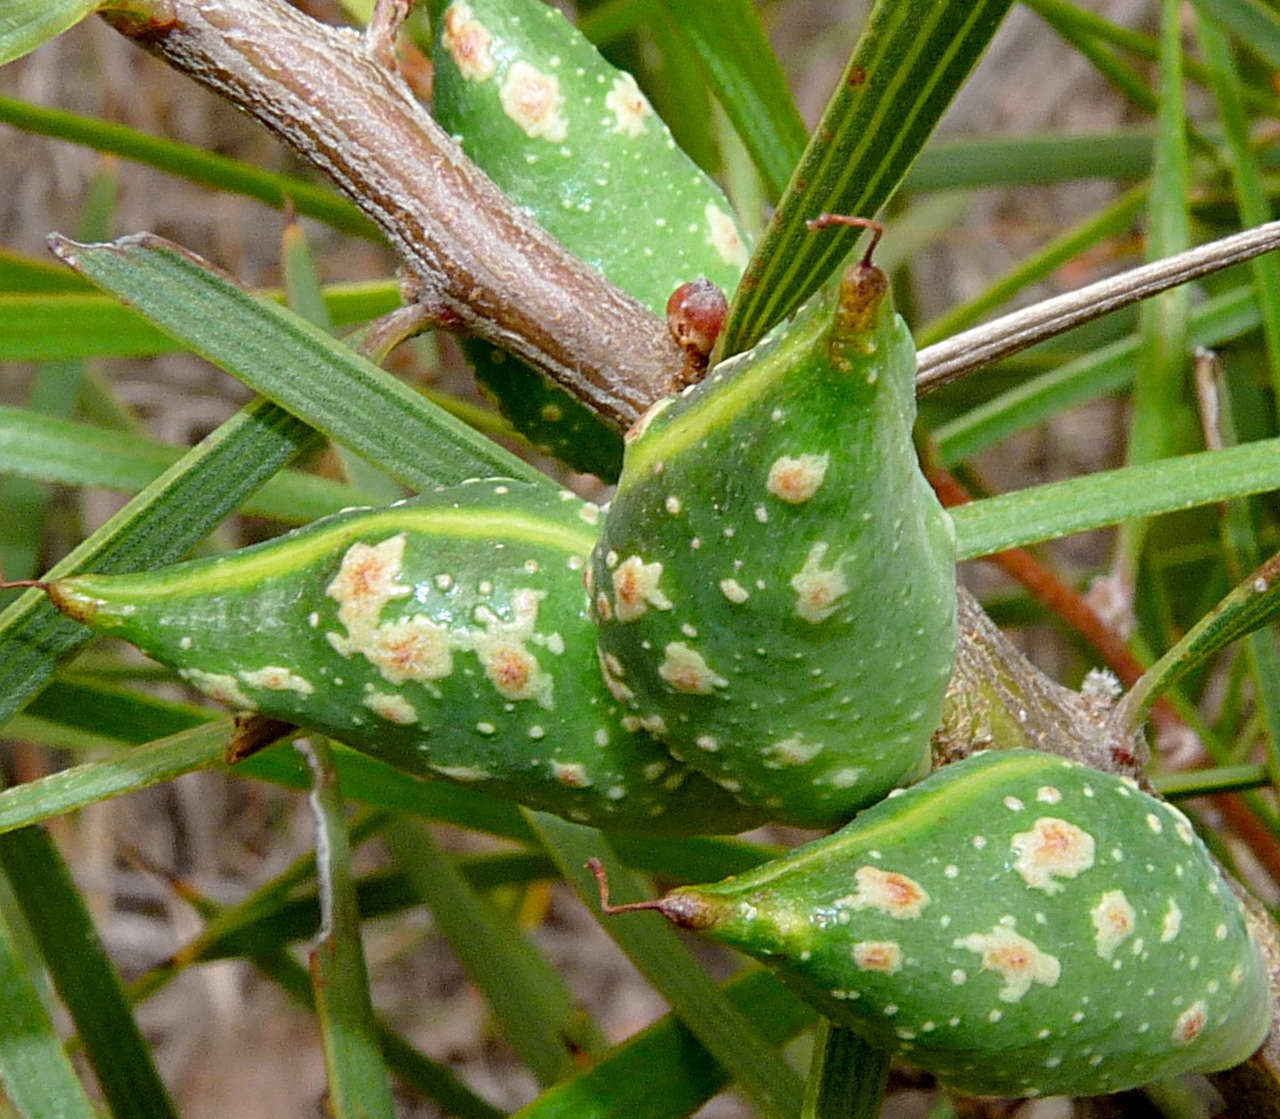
(478, 264)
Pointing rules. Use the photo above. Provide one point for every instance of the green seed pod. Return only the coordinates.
(574, 141)
(1017, 924)
(774, 586)
(446, 635)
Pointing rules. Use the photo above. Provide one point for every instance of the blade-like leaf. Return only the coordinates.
(1249, 606)
(25, 24)
(357, 1077)
(294, 363)
(984, 161)
(907, 66)
(53, 450)
(532, 1006)
(668, 1054)
(71, 324)
(1107, 370)
(192, 163)
(35, 1074)
(1256, 24)
(655, 949)
(742, 69)
(69, 789)
(847, 1076)
(86, 979)
(432, 1080)
(27, 274)
(1158, 400)
(160, 524)
(1096, 500)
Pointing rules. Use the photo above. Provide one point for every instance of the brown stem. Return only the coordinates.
(998, 698)
(602, 879)
(825, 221)
(14, 584)
(483, 266)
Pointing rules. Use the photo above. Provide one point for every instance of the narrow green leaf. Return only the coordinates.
(1244, 551)
(1254, 23)
(1107, 370)
(25, 24)
(1160, 384)
(907, 66)
(54, 326)
(1249, 606)
(614, 18)
(1250, 189)
(27, 274)
(82, 785)
(194, 164)
(846, 1078)
(52, 450)
(1108, 496)
(305, 297)
(118, 717)
(1114, 69)
(268, 929)
(1110, 221)
(261, 909)
(532, 1007)
(85, 977)
(160, 524)
(981, 161)
(357, 1077)
(655, 949)
(35, 1074)
(667, 1054)
(744, 73)
(55, 391)
(294, 363)
(304, 294)
(1206, 782)
(432, 1080)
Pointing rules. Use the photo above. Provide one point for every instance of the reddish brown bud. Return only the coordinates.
(695, 316)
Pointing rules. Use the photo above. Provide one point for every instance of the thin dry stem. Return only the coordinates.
(972, 349)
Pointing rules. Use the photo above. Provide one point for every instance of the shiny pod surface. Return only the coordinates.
(575, 142)
(446, 635)
(774, 585)
(1017, 924)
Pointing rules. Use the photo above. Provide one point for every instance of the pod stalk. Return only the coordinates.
(685, 908)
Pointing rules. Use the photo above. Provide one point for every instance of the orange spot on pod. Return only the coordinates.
(878, 955)
(468, 40)
(1053, 848)
(695, 316)
(891, 893)
(1191, 1022)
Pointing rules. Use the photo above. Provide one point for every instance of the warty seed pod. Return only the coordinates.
(575, 142)
(1017, 924)
(774, 585)
(446, 635)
